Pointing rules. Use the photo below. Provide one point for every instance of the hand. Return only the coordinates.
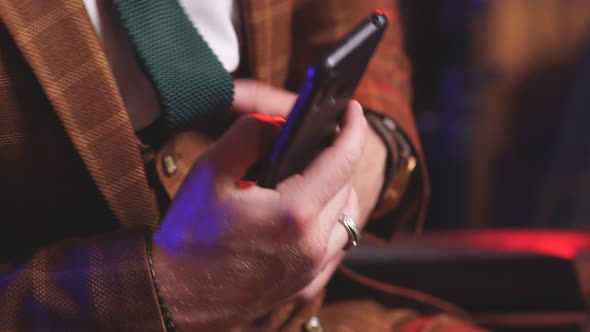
(255, 97)
(369, 173)
(227, 252)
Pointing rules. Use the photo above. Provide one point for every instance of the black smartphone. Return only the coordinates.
(323, 99)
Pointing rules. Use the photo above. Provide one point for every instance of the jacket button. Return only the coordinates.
(313, 324)
(169, 165)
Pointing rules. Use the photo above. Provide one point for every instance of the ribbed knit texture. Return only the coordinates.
(192, 83)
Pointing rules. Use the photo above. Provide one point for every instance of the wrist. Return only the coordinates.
(371, 175)
(379, 156)
(400, 162)
(175, 294)
(190, 294)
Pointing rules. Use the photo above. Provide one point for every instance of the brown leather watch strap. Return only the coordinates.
(401, 162)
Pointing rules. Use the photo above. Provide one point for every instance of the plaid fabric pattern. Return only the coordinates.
(83, 93)
(70, 167)
(285, 36)
(70, 164)
(89, 285)
(517, 177)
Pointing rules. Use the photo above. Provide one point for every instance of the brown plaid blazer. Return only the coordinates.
(74, 197)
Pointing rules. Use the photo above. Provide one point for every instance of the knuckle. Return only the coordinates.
(249, 86)
(260, 92)
(348, 162)
(290, 184)
(297, 218)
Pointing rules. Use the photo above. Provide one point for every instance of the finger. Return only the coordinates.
(255, 208)
(251, 96)
(320, 281)
(334, 167)
(328, 216)
(248, 140)
(339, 236)
(321, 231)
(337, 241)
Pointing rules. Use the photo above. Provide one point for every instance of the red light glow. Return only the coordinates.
(551, 243)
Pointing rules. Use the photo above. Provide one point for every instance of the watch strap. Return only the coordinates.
(400, 164)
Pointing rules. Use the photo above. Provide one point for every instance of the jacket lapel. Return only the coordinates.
(59, 43)
(267, 27)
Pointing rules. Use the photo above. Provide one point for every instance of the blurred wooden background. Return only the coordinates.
(532, 48)
(493, 82)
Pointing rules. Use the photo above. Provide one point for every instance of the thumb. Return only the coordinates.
(247, 141)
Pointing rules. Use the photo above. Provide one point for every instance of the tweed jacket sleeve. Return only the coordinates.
(92, 285)
(67, 150)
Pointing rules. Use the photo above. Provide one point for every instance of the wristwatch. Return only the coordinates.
(400, 165)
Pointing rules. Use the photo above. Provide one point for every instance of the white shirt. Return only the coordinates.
(216, 21)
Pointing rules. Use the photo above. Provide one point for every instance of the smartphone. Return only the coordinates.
(323, 99)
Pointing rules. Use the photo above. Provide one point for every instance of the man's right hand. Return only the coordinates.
(227, 252)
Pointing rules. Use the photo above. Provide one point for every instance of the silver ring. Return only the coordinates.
(354, 234)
